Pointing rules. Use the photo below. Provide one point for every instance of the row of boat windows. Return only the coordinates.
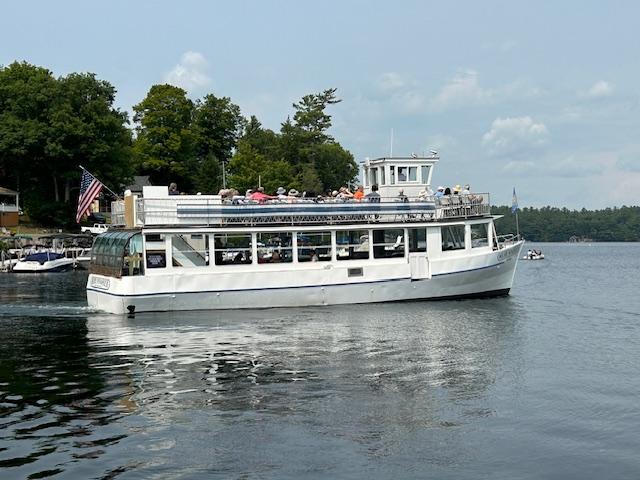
(122, 254)
(393, 175)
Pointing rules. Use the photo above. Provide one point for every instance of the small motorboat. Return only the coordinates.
(41, 262)
(533, 255)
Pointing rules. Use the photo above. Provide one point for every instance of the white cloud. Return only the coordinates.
(191, 73)
(600, 89)
(508, 135)
(463, 89)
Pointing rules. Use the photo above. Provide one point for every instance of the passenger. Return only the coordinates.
(402, 197)
(173, 189)
(373, 196)
(239, 258)
(314, 256)
(439, 192)
(260, 196)
(293, 195)
(423, 195)
(281, 193)
(456, 190)
(359, 194)
(275, 257)
(345, 194)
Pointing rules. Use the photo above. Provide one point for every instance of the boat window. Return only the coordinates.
(424, 174)
(314, 246)
(232, 248)
(417, 239)
(453, 237)
(407, 174)
(374, 176)
(156, 259)
(479, 235)
(382, 176)
(392, 174)
(352, 244)
(275, 247)
(109, 251)
(388, 243)
(133, 264)
(189, 250)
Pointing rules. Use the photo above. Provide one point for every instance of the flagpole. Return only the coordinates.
(112, 192)
(517, 226)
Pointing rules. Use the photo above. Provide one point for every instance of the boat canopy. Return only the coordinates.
(110, 249)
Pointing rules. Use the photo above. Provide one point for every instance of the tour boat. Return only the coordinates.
(193, 252)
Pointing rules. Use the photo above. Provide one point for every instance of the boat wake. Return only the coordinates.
(41, 310)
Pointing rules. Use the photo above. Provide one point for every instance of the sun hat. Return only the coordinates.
(281, 191)
(293, 192)
(456, 188)
(440, 188)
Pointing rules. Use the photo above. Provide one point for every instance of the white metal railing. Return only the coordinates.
(212, 210)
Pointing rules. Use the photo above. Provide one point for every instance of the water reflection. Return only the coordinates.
(75, 390)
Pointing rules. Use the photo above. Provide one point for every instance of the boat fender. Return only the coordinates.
(132, 310)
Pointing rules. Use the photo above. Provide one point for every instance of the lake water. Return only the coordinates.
(541, 384)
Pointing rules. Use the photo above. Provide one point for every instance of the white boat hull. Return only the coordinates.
(488, 274)
(58, 265)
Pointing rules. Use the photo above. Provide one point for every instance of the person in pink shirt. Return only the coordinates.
(260, 196)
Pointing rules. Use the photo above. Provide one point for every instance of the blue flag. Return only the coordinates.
(514, 201)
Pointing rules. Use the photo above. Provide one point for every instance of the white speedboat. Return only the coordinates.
(193, 252)
(534, 257)
(45, 261)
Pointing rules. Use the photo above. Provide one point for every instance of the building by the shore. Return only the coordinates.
(9, 207)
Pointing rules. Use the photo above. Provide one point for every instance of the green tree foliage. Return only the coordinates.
(165, 147)
(551, 224)
(48, 127)
(317, 162)
(249, 168)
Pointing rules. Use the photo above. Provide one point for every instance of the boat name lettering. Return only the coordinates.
(505, 254)
(102, 283)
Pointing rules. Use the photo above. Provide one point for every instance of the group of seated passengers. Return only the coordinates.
(281, 195)
(457, 190)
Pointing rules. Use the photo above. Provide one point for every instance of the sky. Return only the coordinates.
(543, 97)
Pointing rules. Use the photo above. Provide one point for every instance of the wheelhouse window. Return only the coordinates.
(392, 175)
(275, 247)
(407, 174)
(417, 239)
(352, 244)
(388, 243)
(424, 174)
(373, 176)
(190, 250)
(453, 237)
(232, 248)
(382, 176)
(314, 246)
(479, 235)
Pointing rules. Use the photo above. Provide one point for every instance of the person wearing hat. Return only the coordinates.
(281, 193)
(293, 195)
(439, 192)
(456, 190)
(466, 190)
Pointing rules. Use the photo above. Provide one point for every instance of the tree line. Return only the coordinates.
(551, 224)
(50, 125)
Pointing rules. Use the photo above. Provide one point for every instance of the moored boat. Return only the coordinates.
(46, 261)
(192, 252)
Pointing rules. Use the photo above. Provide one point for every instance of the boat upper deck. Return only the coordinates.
(213, 210)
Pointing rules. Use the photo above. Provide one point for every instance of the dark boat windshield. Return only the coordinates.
(117, 254)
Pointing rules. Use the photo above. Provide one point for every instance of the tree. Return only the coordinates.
(310, 116)
(335, 165)
(164, 146)
(47, 127)
(248, 168)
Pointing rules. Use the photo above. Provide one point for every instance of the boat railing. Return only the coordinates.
(213, 210)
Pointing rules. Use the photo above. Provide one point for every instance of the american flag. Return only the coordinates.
(90, 188)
